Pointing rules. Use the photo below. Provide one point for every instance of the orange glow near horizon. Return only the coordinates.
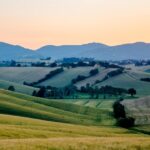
(34, 23)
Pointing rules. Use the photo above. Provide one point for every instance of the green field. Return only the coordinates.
(127, 81)
(52, 110)
(31, 123)
(102, 73)
(23, 74)
(66, 77)
(18, 87)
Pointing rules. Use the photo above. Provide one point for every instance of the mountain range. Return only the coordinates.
(138, 50)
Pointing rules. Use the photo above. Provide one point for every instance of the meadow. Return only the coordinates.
(31, 123)
(23, 74)
(66, 77)
(18, 87)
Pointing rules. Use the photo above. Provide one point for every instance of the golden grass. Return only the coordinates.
(12, 127)
(86, 143)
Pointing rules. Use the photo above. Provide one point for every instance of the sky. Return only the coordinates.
(34, 23)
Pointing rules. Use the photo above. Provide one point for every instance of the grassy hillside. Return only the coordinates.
(127, 81)
(52, 110)
(21, 74)
(18, 87)
(19, 133)
(26, 124)
(102, 73)
(66, 77)
(138, 109)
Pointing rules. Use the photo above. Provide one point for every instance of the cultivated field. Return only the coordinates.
(21, 74)
(138, 109)
(31, 123)
(127, 81)
(52, 110)
(66, 77)
(102, 73)
(18, 87)
(18, 133)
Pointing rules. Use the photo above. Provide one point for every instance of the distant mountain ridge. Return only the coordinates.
(14, 52)
(138, 50)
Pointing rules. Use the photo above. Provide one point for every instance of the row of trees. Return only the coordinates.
(48, 76)
(95, 92)
(79, 78)
(56, 93)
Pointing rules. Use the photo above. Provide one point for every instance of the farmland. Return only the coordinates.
(23, 74)
(128, 79)
(24, 133)
(18, 87)
(35, 123)
(32, 123)
(27, 106)
(66, 77)
(138, 109)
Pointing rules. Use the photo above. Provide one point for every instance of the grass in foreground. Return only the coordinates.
(19, 133)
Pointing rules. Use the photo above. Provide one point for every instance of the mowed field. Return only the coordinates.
(65, 78)
(138, 109)
(129, 80)
(18, 87)
(23, 74)
(102, 73)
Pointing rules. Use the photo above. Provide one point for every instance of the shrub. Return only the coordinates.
(132, 91)
(94, 72)
(126, 122)
(11, 88)
(79, 78)
(118, 109)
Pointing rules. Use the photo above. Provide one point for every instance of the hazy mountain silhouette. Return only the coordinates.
(9, 52)
(139, 50)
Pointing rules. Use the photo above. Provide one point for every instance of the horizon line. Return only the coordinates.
(80, 44)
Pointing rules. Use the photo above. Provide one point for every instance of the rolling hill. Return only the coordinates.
(24, 74)
(138, 50)
(138, 109)
(33, 123)
(65, 78)
(15, 52)
(18, 87)
(26, 133)
(129, 79)
(52, 110)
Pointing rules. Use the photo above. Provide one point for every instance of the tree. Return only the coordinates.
(120, 115)
(118, 109)
(96, 92)
(94, 72)
(41, 92)
(132, 92)
(126, 122)
(34, 93)
(11, 88)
